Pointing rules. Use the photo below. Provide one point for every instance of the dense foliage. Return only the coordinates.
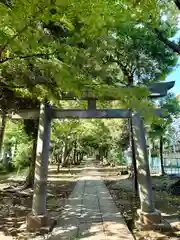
(49, 48)
(17, 146)
(72, 139)
(73, 45)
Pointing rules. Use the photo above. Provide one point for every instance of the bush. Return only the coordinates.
(22, 156)
(116, 157)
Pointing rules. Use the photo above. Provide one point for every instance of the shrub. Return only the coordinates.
(22, 156)
(116, 157)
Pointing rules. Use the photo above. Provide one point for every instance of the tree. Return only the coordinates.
(161, 128)
(9, 101)
(63, 138)
(31, 129)
(140, 57)
(77, 137)
(17, 145)
(162, 33)
(63, 43)
(2, 129)
(141, 60)
(49, 32)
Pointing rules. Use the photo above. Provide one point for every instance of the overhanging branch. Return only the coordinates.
(175, 47)
(38, 55)
(7, 3)
(177, 2)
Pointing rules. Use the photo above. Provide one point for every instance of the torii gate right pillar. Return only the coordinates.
(148, 216)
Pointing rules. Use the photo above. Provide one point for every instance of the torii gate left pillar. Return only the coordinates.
(39, 218)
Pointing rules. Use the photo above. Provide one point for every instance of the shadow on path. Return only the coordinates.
(90, 212)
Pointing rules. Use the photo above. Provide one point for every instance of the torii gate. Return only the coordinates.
(147, 213)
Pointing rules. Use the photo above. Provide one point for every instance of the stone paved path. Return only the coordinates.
(90, 213)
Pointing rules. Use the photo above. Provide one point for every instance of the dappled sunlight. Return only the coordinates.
(122, 192)
(143, 171)
(15, 206)
(90, 213)
(41, 165)
(115, 231)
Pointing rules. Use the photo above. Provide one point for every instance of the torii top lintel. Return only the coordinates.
(156, 90)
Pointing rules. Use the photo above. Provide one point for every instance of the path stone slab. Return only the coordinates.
(91, 231)
(116, 231)
(90, 213)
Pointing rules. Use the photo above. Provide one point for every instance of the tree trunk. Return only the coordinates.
(75, 152)
(7, 158)
(68, 161)
(81, 156)
(106, 154)
(58, 157)
(2, 129)
(64, 154)
(134, 170)
(31, 128)
(177, 2)
(175, 47)
(78, 160)
(161, 155)
(59, 162)
(29, 183)
(66, 157)
(101, 154)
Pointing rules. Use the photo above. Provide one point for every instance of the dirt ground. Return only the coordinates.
(121, 190)
(15, 206)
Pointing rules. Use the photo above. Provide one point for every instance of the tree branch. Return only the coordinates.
(177, 2)
(128, 74)
(175, 47)
(38, 55)
(7, 3)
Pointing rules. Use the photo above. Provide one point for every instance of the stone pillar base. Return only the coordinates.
(36, 223)
(152, 221)
(149, 218)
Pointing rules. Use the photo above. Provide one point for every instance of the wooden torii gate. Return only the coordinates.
(147, 213)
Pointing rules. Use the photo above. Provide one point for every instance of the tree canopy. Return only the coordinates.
(52, 47)
(109, 48)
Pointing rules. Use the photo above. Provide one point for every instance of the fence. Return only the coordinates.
(156, 169)
(171, 164)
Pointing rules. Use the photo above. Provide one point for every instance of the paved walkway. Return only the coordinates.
(90, 213)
